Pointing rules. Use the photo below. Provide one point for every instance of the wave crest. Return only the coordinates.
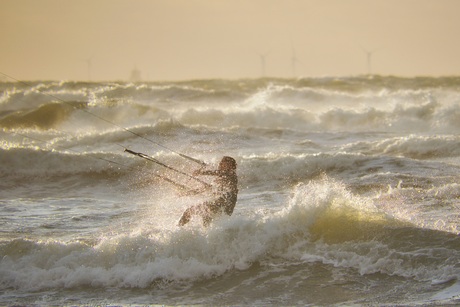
(46, 116)
(322, 221)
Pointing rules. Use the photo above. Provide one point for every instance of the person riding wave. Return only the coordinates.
(227, 191)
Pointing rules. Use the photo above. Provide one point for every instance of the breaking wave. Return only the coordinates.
(321, 222)
(353, 104)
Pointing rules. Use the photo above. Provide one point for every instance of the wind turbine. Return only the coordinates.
(89, 67)
(294, 61)
(262, 62)
(369, 54)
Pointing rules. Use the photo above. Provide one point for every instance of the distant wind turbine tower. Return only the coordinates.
(263, 63)
(369, 54)
(89, 68)
(294, 61)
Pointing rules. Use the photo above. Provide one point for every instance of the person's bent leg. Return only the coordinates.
(187, 216)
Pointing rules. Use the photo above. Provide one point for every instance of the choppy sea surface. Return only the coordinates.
(349, 192)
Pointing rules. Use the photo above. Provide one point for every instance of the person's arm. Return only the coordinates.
(202, 189)
(206, 172)
(193, 192)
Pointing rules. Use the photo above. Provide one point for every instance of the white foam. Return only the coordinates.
(448, 293)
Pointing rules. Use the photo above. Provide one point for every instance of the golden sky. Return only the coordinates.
(196, 39)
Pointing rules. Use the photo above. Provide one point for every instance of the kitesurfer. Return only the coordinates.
(227, 191)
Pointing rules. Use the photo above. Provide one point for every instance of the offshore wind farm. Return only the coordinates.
(115, 117)
(201, 40)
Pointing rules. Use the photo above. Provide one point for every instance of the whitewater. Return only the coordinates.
(349, 192)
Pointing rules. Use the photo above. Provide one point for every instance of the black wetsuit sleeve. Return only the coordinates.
(209, 173)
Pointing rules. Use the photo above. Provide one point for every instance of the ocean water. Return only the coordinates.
(349, 192)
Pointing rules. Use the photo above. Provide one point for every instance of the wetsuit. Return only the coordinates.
(227, 191)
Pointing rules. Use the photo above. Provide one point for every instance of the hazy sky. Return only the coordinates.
(195, 39)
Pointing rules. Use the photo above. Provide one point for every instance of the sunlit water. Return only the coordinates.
(349, 192)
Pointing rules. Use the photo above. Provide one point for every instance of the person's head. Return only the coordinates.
(227, 163)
